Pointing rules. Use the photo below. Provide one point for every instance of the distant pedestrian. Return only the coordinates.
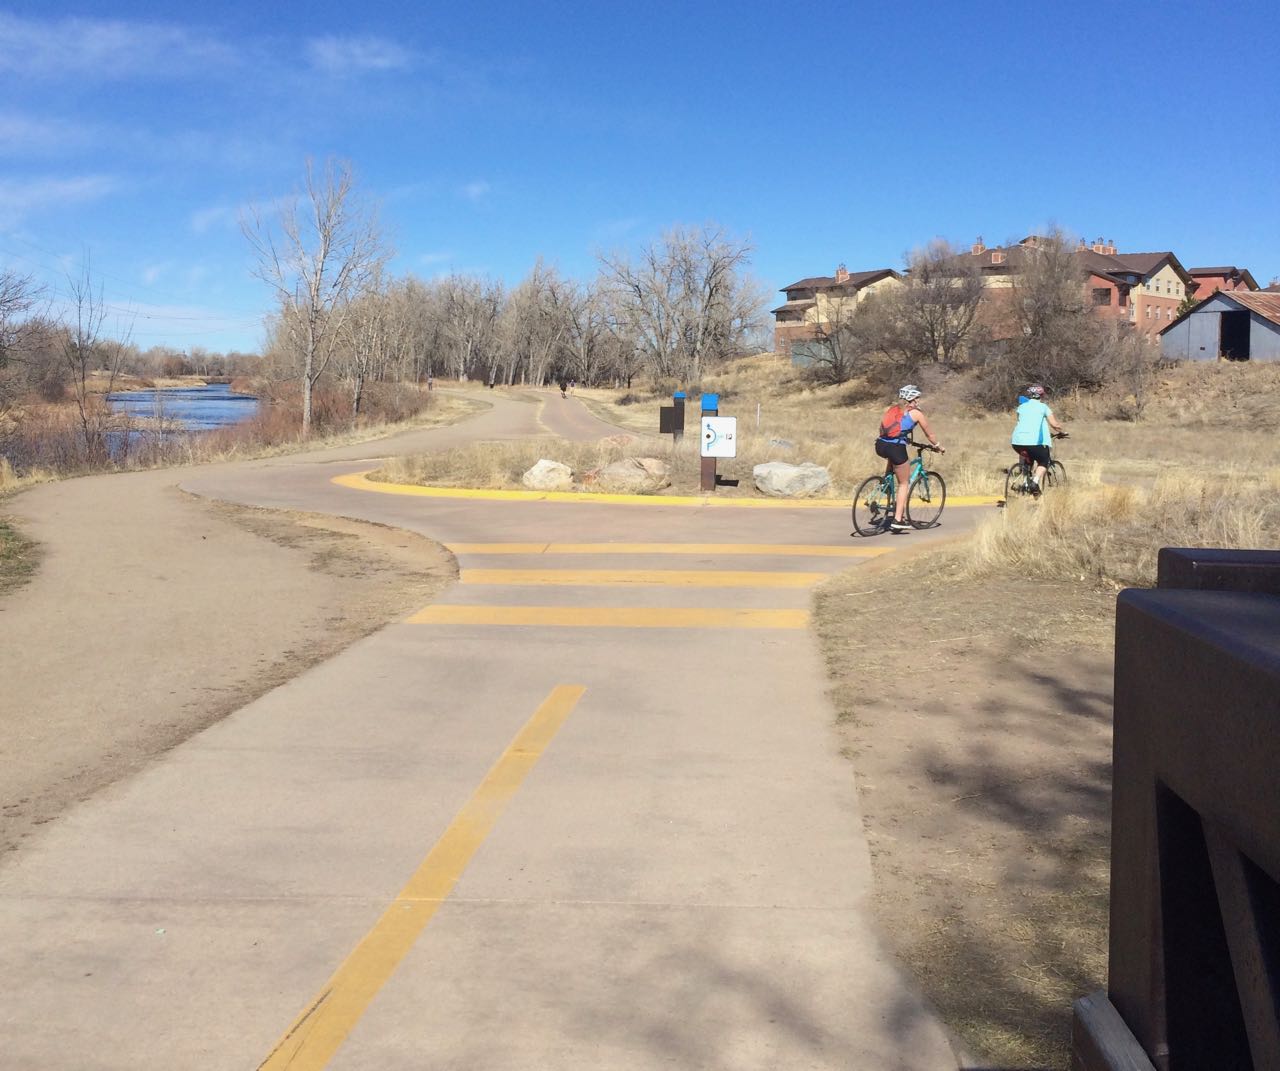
(431, 382)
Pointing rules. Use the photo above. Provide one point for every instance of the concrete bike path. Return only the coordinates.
(470, 842)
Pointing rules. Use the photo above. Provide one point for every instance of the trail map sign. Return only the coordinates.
(719, 436)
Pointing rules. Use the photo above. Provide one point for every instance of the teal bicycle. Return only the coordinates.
(873, 502)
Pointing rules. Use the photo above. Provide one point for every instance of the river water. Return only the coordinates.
(188, 408)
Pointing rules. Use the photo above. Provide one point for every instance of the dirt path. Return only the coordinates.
(137, 631)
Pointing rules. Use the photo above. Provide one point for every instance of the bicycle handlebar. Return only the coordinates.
(1061, 435)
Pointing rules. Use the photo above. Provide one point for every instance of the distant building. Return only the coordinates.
(1144, 289)
(816, 302)
(1225, 278)
(1237, 325)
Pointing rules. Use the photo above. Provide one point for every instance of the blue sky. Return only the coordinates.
(495, 133)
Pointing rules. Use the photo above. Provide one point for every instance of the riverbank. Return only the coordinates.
(47, 441)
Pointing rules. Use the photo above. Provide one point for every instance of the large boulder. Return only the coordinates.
(780, 479)
(548, 476)
(634, 476)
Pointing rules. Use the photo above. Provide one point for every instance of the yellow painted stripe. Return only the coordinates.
(773, 550)
(680, 578)
(360, 482)
(309, 1044)
(610, 617)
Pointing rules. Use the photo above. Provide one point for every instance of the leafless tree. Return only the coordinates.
(366, 343)
(86, 349)
(685, 299)
(590, 345)
(536, 326)
(471, 309)
(1058, 339)
(938, 304)
(318, 257)
(18, 331)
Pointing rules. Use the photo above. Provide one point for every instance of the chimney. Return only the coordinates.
(1111, 246)
(1099, 246)
(842, 274)
(978, 247)
(1081, 247)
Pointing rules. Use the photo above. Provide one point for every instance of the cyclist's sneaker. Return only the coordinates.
(899, 526)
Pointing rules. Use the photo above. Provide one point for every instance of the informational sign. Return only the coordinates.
(719, 436)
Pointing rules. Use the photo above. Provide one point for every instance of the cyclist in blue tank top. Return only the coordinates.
(1032, 432)
(896, 426)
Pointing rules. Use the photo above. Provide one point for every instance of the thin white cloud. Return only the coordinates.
(24, 136)
(475, 191)
(111, 49)
(354, 55)
(20, 198)
(225, 216)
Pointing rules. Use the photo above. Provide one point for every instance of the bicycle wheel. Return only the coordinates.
(1055, 475)
(924, 503)
(871, 507)
(1015, 482)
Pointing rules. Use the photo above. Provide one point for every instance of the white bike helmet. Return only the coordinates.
(909, 393)
(1035, 391)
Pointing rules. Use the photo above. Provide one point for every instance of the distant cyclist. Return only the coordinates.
(896, 426)
(1031, 434)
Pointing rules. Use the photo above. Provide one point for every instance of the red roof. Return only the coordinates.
(1265, 303)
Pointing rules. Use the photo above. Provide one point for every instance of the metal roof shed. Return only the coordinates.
(1238, 325)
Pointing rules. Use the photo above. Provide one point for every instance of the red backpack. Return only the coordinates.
(891, 422)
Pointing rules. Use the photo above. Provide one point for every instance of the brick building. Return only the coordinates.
(822, 299)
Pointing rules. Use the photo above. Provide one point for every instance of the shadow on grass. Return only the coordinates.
(985, 786)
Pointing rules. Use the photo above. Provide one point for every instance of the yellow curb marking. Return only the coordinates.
(711, 578)
(359, 481)
(610, 617)
(314, 1037)
(791, 550)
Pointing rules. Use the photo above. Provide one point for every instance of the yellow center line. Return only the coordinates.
(309, 1044)
(687, 578)
(611, 617)
(788, 550)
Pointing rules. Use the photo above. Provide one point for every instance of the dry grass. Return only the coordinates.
(499, 465)
(18, 558)
(1199, 420)
(1111, 534)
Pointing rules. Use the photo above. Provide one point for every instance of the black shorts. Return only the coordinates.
(894, 453)
(1038, 454)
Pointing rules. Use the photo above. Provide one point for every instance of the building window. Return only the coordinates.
(1146, 287)
(1101, 295)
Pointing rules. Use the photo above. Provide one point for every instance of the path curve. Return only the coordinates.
(583, 810)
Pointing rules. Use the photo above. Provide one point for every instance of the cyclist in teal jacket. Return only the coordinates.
(1036, 424)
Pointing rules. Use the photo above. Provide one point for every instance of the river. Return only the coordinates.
(188, 408)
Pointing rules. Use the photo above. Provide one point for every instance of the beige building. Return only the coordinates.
(821, 300)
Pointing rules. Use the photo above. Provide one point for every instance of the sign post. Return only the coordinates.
(719, 439)
(671, 418)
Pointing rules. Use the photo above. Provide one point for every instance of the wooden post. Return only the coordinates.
(710, 407)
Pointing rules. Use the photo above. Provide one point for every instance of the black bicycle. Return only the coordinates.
(1018, 482)
(874, 500)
